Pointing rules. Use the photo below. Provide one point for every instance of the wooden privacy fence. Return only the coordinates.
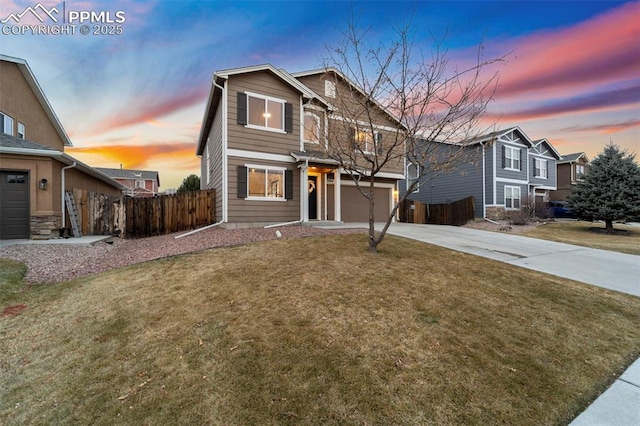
(457, 213)
(146, 217)
(98, 214)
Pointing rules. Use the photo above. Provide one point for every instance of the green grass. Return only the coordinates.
(314, 331)
(590, 234)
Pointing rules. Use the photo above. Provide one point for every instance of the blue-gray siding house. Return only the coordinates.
(500, 169)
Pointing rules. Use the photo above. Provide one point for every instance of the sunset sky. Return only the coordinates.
(137, 99)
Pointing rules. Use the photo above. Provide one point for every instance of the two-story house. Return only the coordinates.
(571, 168)
(139, 183)
(263, 145)
(501, 169)
(34, 169)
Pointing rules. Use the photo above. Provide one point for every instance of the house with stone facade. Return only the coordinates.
(35, 171)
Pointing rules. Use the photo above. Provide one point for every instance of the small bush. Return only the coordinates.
(524, 215)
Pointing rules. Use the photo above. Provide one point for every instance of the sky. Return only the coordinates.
(136, 96)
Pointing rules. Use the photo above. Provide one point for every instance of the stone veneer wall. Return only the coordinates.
(497, 213)
(45, 227)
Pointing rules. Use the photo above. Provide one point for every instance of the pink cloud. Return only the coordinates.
(598, 51)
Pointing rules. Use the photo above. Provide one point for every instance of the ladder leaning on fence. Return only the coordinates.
(73, 213)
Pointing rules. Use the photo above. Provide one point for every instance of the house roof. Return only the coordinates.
(351, 83)
(12, 145)
(131, 174)
(553, 149)
(572, 158)
(497, 134)
(39, 94)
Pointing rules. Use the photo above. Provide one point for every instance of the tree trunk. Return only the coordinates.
(609, 226)
(373, 243)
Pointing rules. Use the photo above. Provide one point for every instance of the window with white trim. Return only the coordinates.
(366, 141)
(580, 171)
(329, 89)
(21, 130)
(140, 183)
(6, 122)
(512, 197)
(540, 168)
(311, 127)
(265, 182)
(511, 158)
(413, 174)
(265, 112)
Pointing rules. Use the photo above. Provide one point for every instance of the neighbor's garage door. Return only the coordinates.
(14, 205)
(355, 207)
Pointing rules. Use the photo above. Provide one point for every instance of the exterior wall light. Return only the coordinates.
(42, 184)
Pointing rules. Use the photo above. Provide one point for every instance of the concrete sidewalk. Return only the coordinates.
(620, 404)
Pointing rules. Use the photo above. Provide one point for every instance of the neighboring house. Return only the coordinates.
(571, 169)
(139, 183)
(501, 169)
(34, 170)
(263, 145)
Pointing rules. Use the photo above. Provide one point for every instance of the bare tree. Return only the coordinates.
(395, 108)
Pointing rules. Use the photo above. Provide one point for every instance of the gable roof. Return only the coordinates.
(572, 158)
(12, 145)
(497, 135)
(219, 79)
(551, 147)
(352, 84)
(131, 174)
(39, 94)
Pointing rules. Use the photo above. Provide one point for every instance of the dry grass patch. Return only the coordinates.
(314, 331)
(590, 234)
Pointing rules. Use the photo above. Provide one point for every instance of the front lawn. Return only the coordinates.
(590, 234)
(313, 331)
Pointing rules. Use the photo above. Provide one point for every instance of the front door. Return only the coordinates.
(313, 197)
(14, 205)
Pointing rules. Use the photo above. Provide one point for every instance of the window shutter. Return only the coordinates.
(352, 138)
(288, 184)
(378, 143)
(242, 182)
(242, 108)
(288, 117)
(533, 164)
(504, 157)
(522, 153)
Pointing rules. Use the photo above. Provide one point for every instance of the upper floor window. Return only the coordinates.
(511, 157)
(264, 112)
(311, 127)
(329, 89)
(21, 130)
(367, 142)
(580, 171)
(413, 174)
(140, 183)
(540, 168)
(6, 122)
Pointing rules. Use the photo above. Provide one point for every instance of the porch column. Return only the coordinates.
(336, 196)
(304, 193)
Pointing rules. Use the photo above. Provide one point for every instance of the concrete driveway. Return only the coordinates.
(612, 270)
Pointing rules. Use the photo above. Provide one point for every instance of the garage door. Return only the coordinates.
(355, 207)
(14, 205)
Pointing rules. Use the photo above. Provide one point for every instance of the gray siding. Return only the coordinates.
(211, 178)
(488, 175)
(461, 183)
(501, 172)
(551, 179)
(500, 191)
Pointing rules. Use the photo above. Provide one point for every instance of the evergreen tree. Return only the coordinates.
(190, 183)
(610, 190)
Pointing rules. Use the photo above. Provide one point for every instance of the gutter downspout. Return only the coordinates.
(225, 165)
(198, 230)
(277, 225)
(64, 221)
(484, 183)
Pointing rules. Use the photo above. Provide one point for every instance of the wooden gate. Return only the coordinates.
(457, 213)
